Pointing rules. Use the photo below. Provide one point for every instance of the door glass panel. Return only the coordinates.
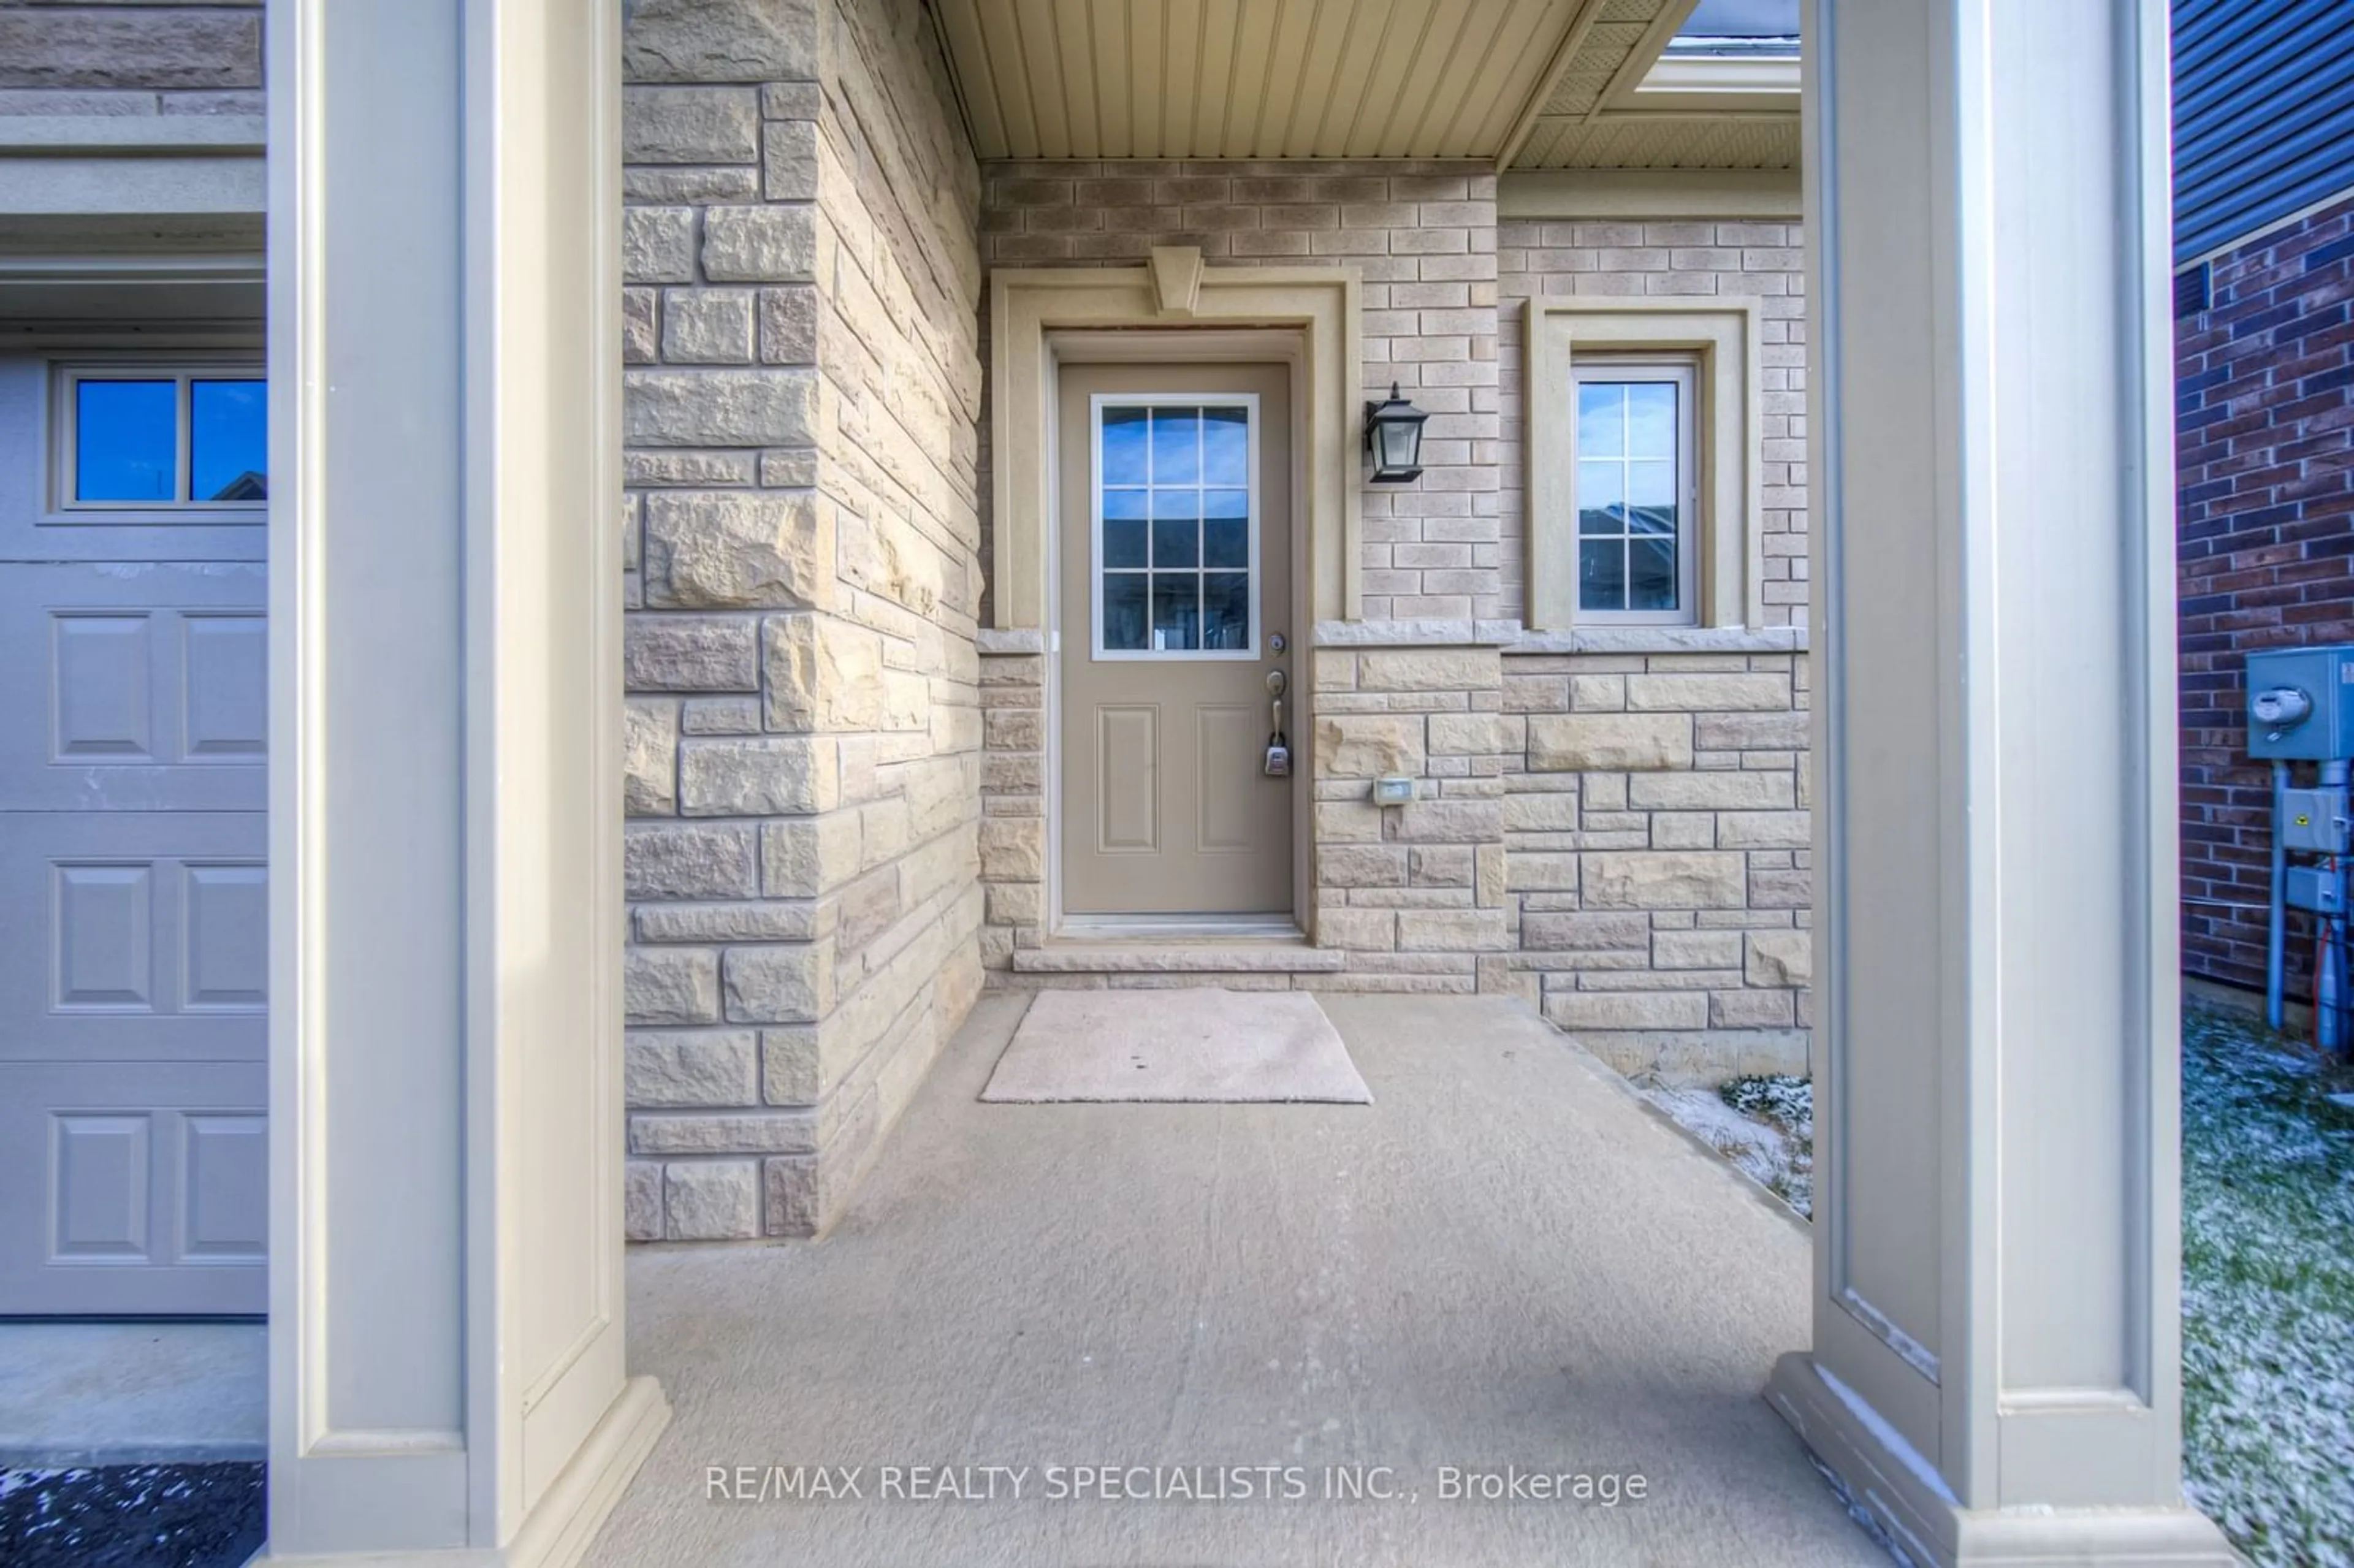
(1176, 541)
(1174, 528)
(1123, 447)
(1225, 528)
(1176, 445)
(1225, 446)
(1176, 611)
(126, 440)
(1123, 527)
(1225, 610)
(1123, 611)
(227, 440)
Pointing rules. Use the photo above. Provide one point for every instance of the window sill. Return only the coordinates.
(1664, 640)
(1511, 637)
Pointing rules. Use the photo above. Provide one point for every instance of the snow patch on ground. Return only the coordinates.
(2267, 1294)
(1765, 1126)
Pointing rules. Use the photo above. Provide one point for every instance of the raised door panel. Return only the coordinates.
(146, 936)
(100, 1178)
(153, 682)
(1128, 778)
(1229, 760)
(132, 1076)
(223, 1186)
(143, 1194)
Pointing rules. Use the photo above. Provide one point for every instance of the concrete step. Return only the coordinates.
(1174, 957)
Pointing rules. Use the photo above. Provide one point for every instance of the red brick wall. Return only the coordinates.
(2265, 530)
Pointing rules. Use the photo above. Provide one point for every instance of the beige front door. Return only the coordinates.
(1175, 584)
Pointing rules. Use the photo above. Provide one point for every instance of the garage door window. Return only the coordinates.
(152, 437)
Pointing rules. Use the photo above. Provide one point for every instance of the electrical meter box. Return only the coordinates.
(2301, 704)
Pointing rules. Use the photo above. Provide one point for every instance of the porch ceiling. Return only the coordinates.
(1535, 84)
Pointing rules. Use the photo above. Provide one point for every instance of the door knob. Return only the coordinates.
(1277, 683)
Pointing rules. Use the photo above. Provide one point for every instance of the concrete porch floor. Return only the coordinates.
(1504, 1261)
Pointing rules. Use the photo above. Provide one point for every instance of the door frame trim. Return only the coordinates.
(1180, 346)
(1321, 306)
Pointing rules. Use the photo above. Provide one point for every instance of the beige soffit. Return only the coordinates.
(1253, 78)
(1518, 83)
(1174, 294)
(1724, 335)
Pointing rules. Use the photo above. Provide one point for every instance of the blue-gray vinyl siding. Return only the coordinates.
(2263, 114)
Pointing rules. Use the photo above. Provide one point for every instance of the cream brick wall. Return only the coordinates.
(803, 727)
(199, 57)
(1752, 258)
(1423, 235)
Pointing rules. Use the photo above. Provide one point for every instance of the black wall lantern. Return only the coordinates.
(1394, 437)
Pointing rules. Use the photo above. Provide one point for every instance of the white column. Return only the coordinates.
(1995, 1370)
(446, 1292)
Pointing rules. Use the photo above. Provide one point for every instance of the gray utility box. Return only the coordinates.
(2310, 888)
(2315, 820)
(2301, 704)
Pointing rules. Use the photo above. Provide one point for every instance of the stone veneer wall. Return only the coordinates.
(1656, 834)
(1657, 820)
(803, 733)
(1613, 824)
(198, 57)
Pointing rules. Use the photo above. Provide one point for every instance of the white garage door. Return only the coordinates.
(133, 1176)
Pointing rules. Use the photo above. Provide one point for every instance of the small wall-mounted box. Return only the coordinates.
(2314, 820)
(2310, 888)
(2301, 703)
(1394, 790)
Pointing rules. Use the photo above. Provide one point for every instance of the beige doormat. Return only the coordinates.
(1181, 1044)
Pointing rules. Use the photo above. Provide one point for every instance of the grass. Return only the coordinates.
(2267, 1294)
(2267, 1272)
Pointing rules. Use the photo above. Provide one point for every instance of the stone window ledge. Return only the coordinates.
(1511, 637)
(1012, 640)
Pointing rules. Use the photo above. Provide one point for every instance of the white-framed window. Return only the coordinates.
(1635, 492)
(160, 436)
(1175, 553)
(1645, 446)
